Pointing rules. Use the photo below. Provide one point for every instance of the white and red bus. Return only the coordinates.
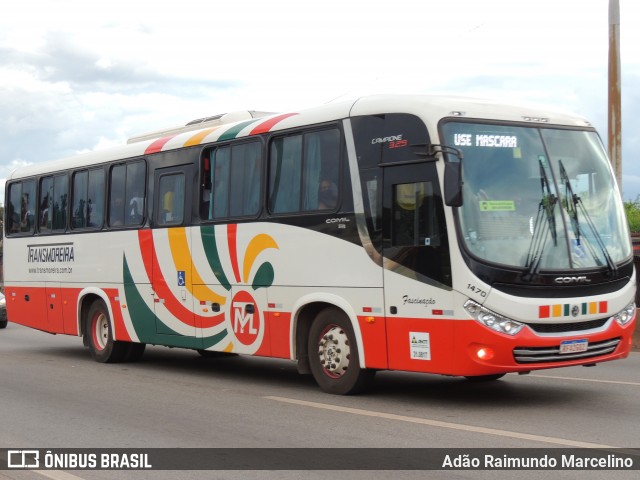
(415, 233)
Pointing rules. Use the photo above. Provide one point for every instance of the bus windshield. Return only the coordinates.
(538, 198)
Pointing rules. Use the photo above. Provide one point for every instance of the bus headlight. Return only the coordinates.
(491, 319)
(625, 315)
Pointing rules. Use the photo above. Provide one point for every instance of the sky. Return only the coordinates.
(78, 75)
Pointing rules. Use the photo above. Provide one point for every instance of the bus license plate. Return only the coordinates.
(574, 346)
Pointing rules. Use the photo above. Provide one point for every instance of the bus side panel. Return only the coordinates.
(420, 345)
(374, 340)
(54, 308)
(27, 306)
(277, 328)
(69, 298)
(119, 327)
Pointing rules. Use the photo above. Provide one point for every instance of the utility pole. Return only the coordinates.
(615, 92)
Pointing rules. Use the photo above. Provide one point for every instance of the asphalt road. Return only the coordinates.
(53, 395)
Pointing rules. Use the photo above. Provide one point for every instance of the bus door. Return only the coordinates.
(172, 282)
(417, 267)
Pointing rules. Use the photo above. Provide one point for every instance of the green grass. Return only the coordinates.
(632, 209)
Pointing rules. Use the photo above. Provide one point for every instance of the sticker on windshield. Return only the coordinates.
(497, 206)
(484, 140)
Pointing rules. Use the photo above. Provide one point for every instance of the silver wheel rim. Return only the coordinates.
(100, 331)
(334, 351)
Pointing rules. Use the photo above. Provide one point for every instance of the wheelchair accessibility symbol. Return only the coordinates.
(181, 278)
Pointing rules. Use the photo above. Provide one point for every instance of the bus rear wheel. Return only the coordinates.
(333, 355)
(103, 347)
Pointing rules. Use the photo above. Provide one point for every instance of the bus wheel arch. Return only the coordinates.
(306, 309)
(302, 324)
(84, 303)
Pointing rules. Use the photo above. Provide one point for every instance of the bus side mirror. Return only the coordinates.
(453, 184)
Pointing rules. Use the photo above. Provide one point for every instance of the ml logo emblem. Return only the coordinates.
(245, 318)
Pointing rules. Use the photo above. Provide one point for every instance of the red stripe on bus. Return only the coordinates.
(269, 124)
(162, 290)
(374, 342)
(157, 145)
(233, 249)
(121, 332)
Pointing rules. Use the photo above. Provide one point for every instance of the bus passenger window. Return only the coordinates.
(134, 197)
(21, 207)
(126, 194)
(116, 196)
(239, 165)
(246, 172)
(46, 198)
(304, 172)
(54, 195)
(87, 207)
(221, 173)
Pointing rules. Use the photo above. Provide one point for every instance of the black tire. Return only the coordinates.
(333, 355)
(486, 378)
(4, 323)
(99, 331)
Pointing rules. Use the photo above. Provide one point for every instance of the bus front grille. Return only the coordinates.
(567, 327)
(552, 354)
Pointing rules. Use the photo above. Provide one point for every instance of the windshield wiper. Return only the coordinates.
(541, 227)
(576, 203)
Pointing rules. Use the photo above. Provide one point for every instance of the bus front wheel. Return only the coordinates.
(103, 347)
(333, 354)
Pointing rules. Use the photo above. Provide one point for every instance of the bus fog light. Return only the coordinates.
(626, 315)
(485, 353)
(492, 320)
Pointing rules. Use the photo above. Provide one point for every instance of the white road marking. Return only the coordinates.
(576, 379)
(57, 475)
(437, 423)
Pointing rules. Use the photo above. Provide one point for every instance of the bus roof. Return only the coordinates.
(430, 108)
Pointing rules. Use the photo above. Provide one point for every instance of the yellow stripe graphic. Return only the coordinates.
(198, 137)
(182, 260)
(258, 244)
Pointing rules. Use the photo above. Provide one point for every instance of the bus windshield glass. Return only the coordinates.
(538, 198)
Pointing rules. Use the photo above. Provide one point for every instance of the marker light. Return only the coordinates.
(492, 320)
(626, 315)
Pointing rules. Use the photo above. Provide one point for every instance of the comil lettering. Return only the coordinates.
(567, 280)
